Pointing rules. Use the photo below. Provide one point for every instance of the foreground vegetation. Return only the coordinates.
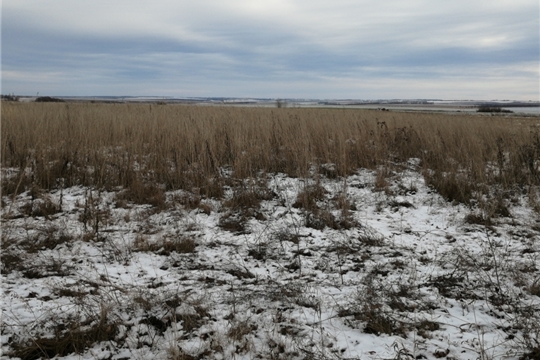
(191, 232)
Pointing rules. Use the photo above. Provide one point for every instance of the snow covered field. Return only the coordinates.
(283, 268)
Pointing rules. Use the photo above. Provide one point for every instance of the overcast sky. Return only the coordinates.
(326, 49)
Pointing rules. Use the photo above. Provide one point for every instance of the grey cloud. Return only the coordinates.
(278, 48)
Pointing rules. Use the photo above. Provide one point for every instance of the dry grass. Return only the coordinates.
(147, 149)
(140, 152)
(164, 246)
(73, 337)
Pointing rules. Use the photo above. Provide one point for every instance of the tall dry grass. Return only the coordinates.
(188, 147)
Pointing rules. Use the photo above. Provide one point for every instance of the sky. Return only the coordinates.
(311, 49)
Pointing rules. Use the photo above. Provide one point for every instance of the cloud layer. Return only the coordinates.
(273, 48)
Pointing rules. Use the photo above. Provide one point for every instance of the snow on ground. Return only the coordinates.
(398, 274)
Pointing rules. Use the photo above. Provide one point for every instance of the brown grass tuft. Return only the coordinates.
(72, 337)
(165, 245)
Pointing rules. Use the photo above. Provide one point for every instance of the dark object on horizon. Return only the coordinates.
(48, 99)
(10, 98)
(493, 109)
(281, 103)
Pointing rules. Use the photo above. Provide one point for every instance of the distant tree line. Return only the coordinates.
(9, 97)
(492, 109)
(38, 99)
(48, 99)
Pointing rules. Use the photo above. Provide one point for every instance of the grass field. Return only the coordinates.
(198, 232)
(182, 147)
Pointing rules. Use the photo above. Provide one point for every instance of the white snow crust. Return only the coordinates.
(279, 289)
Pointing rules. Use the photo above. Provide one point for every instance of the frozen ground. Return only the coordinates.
(362, 271)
